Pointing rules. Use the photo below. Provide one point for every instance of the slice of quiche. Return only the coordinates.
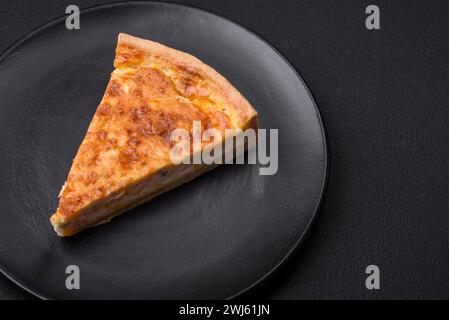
(124, 159)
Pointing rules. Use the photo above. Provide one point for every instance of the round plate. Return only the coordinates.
(212, 238)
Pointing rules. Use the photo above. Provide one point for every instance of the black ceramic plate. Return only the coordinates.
(212, 238)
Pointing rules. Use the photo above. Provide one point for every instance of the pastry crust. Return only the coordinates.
(124, 159)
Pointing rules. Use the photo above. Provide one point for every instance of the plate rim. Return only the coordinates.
(42, 28)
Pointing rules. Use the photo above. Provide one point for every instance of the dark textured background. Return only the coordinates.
(384, 99)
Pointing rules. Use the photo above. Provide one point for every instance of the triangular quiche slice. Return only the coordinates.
(124, 159)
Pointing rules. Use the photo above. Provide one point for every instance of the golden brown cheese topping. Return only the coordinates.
(129, 136)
